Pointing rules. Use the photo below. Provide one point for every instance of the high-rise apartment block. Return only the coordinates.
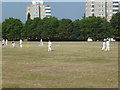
(38, 9)
(102, 8)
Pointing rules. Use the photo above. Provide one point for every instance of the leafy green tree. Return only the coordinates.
(76, 30)
(94, 27)
(115, 23)
(50, 26)
(35, 31)
(39, 28)
(11, 28)
(26, 29)
(31, 29)
(64, 31)
(0, 30)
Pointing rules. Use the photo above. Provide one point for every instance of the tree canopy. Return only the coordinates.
(0, 30)
(115, 23)
(11, 29)
(65, 29)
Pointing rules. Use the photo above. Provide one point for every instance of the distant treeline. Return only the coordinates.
(65, 29)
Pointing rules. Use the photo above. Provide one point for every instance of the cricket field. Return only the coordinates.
(69, 65)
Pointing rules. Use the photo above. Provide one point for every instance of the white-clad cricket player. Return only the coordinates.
(21, 43)
(3, 42)
(104, 46)
(49, 46)
(41, 42)
(6, 42)
(107, 45)
(13, 44)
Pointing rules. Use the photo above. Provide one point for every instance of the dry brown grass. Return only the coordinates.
(70, 65)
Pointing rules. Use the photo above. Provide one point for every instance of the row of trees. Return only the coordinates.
(64, 29)
(0, 30)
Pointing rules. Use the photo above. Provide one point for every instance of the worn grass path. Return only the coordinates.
(69, 65)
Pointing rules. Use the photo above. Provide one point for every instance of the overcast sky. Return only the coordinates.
(70, 10)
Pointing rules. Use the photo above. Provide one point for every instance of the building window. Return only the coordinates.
(115, 10)
(115, 6)
(115, 2)
(92, 6)
(28, 16)
(47, 9)
(47, 15)
(35, 9)
(48, 12)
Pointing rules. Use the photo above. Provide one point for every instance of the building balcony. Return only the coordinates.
(47, 10)
(116, 8)
(116, 4)
(92, 12)
(92, 4)
(47, 7)
(114, 12)
(92, 8)
(48, 14)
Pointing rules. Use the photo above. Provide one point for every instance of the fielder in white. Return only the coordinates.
(6, 42)
(41, 43)
(21, 43)
(104, 46)
(3, 42)
(49, 46)
(13, 44)
(107, 45)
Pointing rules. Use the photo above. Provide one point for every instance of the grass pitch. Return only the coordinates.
(69, 65)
